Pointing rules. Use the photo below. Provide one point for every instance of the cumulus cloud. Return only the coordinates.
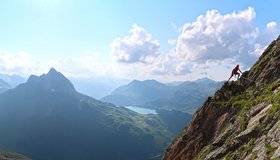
(210, 46)
(137, 47)
(183, 68)
(219, 41)
(216, 37)
(214, 43)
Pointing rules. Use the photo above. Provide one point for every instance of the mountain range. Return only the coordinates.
(12, 80)
(240, 121)
(97, 87)
(4, 86)
(185, 96)
(139, 93)
(46, 118)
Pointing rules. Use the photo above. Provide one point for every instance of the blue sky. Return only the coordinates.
(135, 39)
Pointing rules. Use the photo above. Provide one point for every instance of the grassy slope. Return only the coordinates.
(245, 101)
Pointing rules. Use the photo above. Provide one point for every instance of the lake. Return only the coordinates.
(141, 110)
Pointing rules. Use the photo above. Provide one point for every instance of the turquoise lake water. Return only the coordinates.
(141, 110)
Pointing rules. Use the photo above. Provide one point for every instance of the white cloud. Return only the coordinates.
(214, 43)
(137, 47)
(24, 64)
(272, 26)
(87, 64)
(210, 46)
(20, 62)
(216, 37)
(183, 68)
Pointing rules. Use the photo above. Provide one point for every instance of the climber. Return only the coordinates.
(235, 72)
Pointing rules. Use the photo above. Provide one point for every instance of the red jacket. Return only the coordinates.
(235, 69)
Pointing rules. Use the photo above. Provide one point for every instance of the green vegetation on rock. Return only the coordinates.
(7, 155)
(244, 117)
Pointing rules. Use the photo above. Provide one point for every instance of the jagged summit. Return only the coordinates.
(241, 120)
(53, 80)
(52, 71)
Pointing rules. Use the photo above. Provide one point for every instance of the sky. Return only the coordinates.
(168, 41)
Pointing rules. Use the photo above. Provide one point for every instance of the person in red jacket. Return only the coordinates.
(235, 72)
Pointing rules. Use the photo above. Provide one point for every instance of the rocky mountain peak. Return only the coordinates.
(53, 80)
(53, 72)
(241, 120)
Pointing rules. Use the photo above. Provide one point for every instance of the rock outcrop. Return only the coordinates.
(242, 119)
(5, 155)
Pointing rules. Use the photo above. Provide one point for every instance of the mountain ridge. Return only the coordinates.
(241, 120)
(46, 118)
(185, 96)
(12, 80)
(138, 93)
(53, 80)
(4, 86)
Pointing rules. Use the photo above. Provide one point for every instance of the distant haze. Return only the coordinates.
(183, 96)
(98, 87)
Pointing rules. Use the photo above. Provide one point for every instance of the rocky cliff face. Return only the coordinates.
(242, 119)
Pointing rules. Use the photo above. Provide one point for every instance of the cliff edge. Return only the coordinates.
(241, 120)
